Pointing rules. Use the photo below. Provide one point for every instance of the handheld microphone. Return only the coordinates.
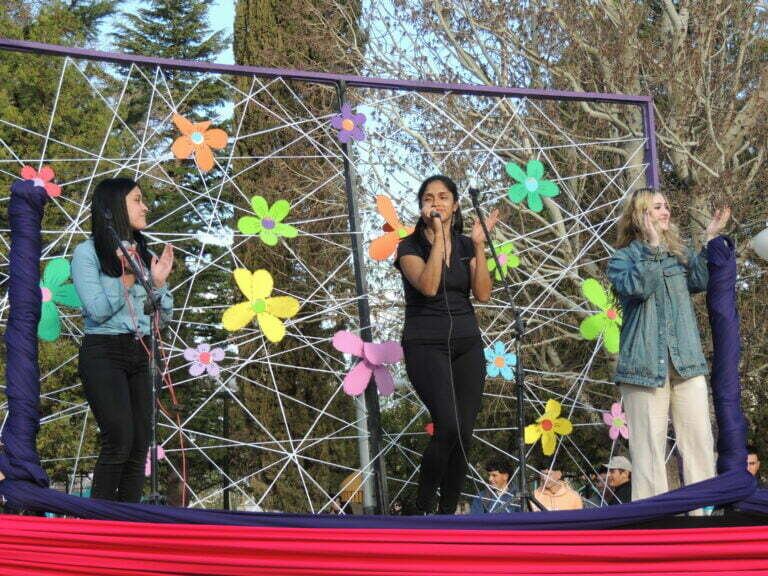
(434, 214)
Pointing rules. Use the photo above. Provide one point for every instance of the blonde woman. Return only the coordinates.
(661, 367)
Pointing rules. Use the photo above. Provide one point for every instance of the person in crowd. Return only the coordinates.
(619, 480)
(498, 496)
(554, 493)
(595, 490)
(441, 340)
(661, 366)
(753, 462)
(113, 358)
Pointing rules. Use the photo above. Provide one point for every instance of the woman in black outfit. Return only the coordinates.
(441, 339)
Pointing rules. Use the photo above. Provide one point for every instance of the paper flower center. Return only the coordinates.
(531, 184)
(612, 314)
(46, 293)
(259, 306)
(402, 233)
(205, 357)
(39, 182)
(618, 422)
(197, 138)
(347, 125)
(503, 259)
(546, 425)
(499, 362)
(267, 223)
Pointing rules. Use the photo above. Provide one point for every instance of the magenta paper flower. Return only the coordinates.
(204, 359)
(374, 357)
(148, 463)
(617, 421)
(349, 125)
(42, 179)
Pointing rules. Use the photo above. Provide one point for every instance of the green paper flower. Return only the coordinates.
(507, 259)
(268, 223)
(530, 184)
(607, 322)
(54, 291)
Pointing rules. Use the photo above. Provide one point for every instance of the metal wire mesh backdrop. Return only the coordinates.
(258, 421)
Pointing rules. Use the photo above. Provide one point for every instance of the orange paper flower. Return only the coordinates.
(384, 246)
(197, 139)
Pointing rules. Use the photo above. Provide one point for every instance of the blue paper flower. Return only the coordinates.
(500, 361)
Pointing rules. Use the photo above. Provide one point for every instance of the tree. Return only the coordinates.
(26, 101)
(703, 62)
(290, 34)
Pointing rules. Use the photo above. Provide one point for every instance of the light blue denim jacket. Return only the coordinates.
(658, 319)
(103, 297)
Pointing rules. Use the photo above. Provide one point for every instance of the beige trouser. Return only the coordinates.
(647, 411)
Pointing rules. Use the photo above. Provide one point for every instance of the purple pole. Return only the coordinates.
(18, 458)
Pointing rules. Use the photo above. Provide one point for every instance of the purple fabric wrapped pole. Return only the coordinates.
(724, 321)
(18, 457)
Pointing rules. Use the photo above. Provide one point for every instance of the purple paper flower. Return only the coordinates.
(204, 359)
(617, 421)
(374, 357)
(349, 125)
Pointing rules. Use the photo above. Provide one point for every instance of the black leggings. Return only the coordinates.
(113, 369)
(444, 463)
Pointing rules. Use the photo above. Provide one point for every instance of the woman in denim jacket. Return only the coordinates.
(661, 367)
(113, 360)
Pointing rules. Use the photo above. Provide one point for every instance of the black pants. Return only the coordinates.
(429, 366)
(114, 371)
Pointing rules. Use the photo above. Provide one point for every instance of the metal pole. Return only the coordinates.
(375, 490)
(225, 434)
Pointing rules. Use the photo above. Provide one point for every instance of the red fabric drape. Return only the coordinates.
(43, 546)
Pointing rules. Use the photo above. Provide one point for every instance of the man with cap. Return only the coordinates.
(620, 479)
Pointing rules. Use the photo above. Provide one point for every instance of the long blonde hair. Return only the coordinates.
(630, 225)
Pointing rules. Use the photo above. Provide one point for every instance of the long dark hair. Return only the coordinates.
(108, 206)
(458, 220)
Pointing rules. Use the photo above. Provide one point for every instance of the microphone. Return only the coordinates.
(434, 214)
(474, 194)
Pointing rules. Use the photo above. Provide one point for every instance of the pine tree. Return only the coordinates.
(27, 96)
(178, 29)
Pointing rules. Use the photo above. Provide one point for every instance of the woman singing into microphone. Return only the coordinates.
(441, 339)
(114, 360)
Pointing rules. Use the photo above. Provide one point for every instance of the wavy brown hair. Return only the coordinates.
(630, 224)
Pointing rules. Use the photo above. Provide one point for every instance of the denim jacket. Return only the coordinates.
(105, 308)
(658, 320)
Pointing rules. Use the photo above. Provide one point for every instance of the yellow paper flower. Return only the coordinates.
(257, 287)
(547, 427)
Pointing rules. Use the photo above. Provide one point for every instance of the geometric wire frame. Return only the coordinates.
(273, 429)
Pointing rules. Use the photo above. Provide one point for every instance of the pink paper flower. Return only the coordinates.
(617, 421)
(148, 463)
(374, 357)
(42, 179)
(430, 429)
(349, 125)
(204, 359)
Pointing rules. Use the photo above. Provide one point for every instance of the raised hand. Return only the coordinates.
(161, 267)
(718, 222)
(477, 235)
(649, 228)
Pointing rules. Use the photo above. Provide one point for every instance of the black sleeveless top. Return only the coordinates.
(426, 317)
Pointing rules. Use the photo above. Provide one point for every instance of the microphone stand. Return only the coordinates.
(152, 309)
(527, 499)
